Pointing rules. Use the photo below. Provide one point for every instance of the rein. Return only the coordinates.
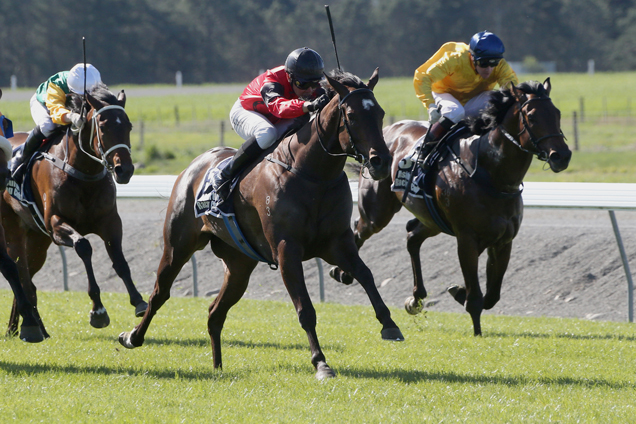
(541, 155)
(359, 157)
(102, 155)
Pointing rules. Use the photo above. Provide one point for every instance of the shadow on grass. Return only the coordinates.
(409, 376)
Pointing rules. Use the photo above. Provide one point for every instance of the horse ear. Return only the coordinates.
(0, 93)
(121, 98)
(92, 101)
(515, 91)
(374, 79)
(547, 85)
(341, 89)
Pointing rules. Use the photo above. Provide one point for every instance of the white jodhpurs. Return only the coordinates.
(248, 123)
(453, 109)
(41, 117)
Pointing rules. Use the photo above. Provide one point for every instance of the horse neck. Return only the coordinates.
(309, 156)
(77, 158)
(506, 162)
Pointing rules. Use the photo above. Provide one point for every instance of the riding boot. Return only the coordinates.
(435, 133)
(222, 179)
(31, 145)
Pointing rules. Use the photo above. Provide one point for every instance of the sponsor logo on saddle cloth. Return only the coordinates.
(207, 201)
(405, 168)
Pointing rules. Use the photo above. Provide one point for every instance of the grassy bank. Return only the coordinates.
(171, 130)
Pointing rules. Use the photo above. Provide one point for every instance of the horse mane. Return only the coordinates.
(100, 92)
(499, 104)
(343, 77)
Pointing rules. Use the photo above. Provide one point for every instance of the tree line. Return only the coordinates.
(148, 41)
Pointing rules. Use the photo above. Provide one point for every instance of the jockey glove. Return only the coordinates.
(434, 113)
(76, 119)
(317, 104)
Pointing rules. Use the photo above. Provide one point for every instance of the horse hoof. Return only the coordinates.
(140, 309)
(412, 306)
(458, 293)
(393, 334)
(340, 276)
(100, 318)
(323, 371)
(31, 334)
(124, 340)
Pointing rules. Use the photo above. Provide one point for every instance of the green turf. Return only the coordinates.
(522, 370)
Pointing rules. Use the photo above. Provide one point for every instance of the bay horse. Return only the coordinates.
(476, 194)
(294, 206)
(75, 195)
(30, 329)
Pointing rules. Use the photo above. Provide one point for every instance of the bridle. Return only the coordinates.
(359, 157)
(541, 154)
(102, 155)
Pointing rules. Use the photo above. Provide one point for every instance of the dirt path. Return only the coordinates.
(565, 263)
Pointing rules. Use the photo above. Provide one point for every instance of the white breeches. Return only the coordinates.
(453, 109)
(248, 123)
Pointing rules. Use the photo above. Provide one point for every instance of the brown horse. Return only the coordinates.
(75, 195)
(476, 193)
(30, 328)
(292, 207)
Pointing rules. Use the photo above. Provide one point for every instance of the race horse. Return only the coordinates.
(475, 190)
(73, 194)
(292, 206)
(30, 329)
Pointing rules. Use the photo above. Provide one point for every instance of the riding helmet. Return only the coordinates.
(305, 65)
(75, 78)
(486, 45)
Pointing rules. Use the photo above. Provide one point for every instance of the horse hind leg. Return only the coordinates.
(236, 278)
(172, 261)
(32, 329)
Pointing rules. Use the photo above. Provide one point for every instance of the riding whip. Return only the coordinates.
(333, 36)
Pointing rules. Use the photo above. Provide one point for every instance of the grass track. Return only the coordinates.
(521, 370)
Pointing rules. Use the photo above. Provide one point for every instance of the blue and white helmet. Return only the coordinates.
(486, 45)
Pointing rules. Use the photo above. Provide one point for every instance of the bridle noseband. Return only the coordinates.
(102, 155)
(359, 157)
(541, 155)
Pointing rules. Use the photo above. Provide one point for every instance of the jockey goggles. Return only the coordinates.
(488, 63)
(304, 85)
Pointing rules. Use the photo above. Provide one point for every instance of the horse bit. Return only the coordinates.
(541, 155)
(359, 157)
(94, 124)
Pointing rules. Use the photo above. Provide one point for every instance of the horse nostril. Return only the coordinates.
(375, 161)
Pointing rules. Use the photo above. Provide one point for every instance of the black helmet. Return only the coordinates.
(305, 65)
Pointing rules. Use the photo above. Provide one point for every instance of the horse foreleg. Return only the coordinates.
(120, 265)
(345, 253)
(472, 297)
(498, 259)
(417, 233)
(291, 269)
(64, 234)
(238, 269)
(376, 205)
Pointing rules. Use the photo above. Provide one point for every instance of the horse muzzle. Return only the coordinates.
(559, 160)
(379, 166)
(123, 172)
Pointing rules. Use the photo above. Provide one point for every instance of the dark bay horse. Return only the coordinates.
(293, 206)
(75, 195)
(30, 329)
(476, 190)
